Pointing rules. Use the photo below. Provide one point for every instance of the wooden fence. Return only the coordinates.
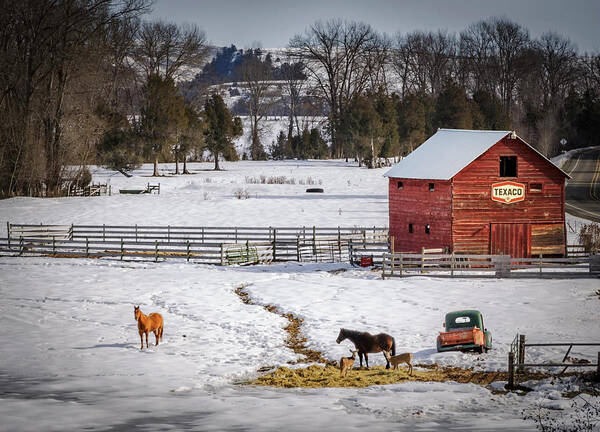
(517, 362)
(214, 245)
(401, 265)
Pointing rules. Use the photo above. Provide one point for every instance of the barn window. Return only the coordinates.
(508, 166)
(400, 185)
(427, 229)
(535, 187)
(431, 187)
(410, 228)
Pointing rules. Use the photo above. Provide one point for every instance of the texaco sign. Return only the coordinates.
(508, 192)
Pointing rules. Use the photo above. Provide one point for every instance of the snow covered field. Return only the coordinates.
(70, 356)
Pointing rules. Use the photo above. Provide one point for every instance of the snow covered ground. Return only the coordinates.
(70, 357)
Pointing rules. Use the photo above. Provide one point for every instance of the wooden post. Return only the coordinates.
(383, 268)
(8, 233)
(598, 366)
(87, 247)
(511, 370)
(274, 244)
(103, 232)
(20, 245)
(339, 244)
(452, 264)
(202, 234)
(392, 259)
(400, 265)
(314, 240)
(392, 247)
(521, 358)
(422, 259)
(236, 237)
(54, 245)
(136, 233)
(222, 255)
(71, 233)
(188, 250)
(122, 249)
(540, 264)
(298, 248)
(155, 250)
(169, 233)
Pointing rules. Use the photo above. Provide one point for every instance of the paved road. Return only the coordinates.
(583, 189)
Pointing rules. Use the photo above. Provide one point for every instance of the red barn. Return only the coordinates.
(478, 192)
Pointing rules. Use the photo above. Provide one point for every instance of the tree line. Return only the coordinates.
(90, 82)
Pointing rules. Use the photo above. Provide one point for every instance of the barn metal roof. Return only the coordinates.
(447, 152)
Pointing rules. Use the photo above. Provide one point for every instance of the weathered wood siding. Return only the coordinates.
(415, 204)
(474, 213)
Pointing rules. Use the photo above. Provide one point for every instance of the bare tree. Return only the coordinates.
(257, 77)
(424, 61)
(335, 54)
(166, 49)
(295, 79)
(493, 52)
(558, 66)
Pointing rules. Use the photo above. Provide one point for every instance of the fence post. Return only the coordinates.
(20, 245)
(339, 244)
(511, 370)
(103, 232)
(422, 259)
(274, 244)
(452, 263)
(122, 249)
(155, 250)
(236, 237)
(392, 247)
(383, 267)
(521, 358)
(392, 259)
(598, 366)
(87, 247)
(136, 233)
(71, 233)
(188, 250)
(202, 234)
(314, 240)
(298, 248)
(400, 265)
(594, 264)
(540, 264)
(222, 255)
(169, 233)
(8, 233)
(54, 245)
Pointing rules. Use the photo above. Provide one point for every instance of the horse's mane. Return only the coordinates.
(353, 333)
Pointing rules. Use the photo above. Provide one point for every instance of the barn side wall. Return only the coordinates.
(415, 204)
(541, 214)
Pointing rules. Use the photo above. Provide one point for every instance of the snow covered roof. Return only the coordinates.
(447, 152)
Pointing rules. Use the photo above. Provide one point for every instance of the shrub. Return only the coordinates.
(589, 237)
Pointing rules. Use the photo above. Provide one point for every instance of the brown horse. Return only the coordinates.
(368, 343)
(151, 323)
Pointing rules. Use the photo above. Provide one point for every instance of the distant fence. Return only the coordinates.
(213, 245)
(402, 265)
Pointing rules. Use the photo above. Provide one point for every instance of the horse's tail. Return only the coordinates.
(393, 347)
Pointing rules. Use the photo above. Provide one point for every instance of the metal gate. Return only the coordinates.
(512, 239)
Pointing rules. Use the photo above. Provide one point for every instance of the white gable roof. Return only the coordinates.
(447, 152)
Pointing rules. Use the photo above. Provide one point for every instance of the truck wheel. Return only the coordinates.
(480, 349)
(438, 345)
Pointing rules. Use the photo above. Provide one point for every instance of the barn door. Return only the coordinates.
(510, 239)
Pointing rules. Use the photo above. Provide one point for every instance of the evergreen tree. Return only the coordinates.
(220, 129)
(162, 117)
(453, 109)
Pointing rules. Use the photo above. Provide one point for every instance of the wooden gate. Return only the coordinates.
(512, 239)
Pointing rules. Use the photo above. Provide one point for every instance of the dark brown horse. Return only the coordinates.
(368, 343)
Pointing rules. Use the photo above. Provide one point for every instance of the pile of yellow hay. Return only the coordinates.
(329, 376)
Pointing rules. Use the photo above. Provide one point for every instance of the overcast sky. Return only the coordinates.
(272, 23)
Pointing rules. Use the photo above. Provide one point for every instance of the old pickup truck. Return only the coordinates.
(464, 332)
